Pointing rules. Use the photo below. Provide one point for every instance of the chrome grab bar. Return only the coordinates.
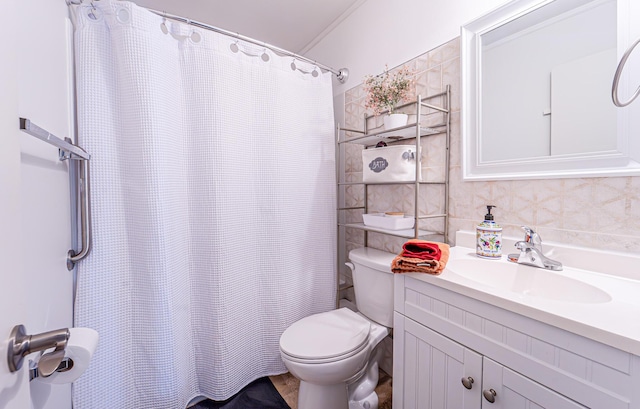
(616, 79)
(82, 183)
(80, 158)
(34, 130)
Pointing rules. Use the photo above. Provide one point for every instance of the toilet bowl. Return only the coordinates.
(335, 354)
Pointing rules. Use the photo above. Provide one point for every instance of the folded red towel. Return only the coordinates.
(404, 264)
(421, 249)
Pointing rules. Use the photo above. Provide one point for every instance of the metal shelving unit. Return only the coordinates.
(411, 131)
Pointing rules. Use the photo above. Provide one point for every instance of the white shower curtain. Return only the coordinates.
(213, 207)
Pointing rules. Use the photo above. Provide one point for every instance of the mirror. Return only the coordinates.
(536, 84)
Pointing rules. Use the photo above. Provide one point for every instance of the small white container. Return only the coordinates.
(392, 121)
(381, 221)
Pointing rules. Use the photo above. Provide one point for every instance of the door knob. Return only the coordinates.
(489, 395)
(467, 382)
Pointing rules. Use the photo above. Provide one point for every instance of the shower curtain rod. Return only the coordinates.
(342, 74)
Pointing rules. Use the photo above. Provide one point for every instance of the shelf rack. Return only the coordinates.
(416, 131)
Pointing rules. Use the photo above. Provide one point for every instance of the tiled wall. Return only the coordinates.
(589, 212)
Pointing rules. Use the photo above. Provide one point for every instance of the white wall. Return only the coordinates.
(382, 32)
(35, 187)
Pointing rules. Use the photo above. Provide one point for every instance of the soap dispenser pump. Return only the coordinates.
(489, 237)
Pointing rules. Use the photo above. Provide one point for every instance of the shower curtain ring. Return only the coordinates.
(92, 14)
(163, 25)
(293, 64)
(235, 47)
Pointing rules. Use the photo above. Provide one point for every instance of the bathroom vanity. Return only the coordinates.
(495, 334)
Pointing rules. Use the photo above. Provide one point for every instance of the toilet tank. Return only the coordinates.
(373, 283)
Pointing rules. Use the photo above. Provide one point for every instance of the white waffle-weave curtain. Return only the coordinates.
(213, 197)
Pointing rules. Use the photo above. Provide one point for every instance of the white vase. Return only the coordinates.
(395, 120)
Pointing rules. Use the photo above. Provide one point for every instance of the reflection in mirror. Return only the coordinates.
(537, 91)
(548, 79)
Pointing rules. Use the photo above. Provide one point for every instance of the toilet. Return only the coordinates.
(335, 354)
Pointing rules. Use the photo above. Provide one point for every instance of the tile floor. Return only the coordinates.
(288, 385)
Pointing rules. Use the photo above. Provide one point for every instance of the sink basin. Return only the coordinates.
(527, 281)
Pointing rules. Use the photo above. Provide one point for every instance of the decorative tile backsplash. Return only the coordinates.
(589, 212)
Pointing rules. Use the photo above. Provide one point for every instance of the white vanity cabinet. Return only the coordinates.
(433, 368)
(428, 369)
(442, 337)
(518, 392)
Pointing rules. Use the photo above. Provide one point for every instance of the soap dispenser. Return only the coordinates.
(489, 237)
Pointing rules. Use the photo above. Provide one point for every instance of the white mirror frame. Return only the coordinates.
(624, 161)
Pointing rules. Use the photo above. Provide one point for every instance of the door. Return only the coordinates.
(14, 387)
(34, 190)
(514, 391)
(428, 369)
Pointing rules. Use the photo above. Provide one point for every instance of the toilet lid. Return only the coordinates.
(325, 335)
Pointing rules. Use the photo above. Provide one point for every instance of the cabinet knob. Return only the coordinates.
(489, 395)
(467, 382)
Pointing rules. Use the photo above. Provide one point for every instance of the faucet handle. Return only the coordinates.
(531, 236)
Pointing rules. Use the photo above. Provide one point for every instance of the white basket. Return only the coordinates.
(389, 164)
(381, 221)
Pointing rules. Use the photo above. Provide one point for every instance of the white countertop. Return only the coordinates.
(614, 322)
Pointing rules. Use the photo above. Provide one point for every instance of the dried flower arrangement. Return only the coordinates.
(386, 90)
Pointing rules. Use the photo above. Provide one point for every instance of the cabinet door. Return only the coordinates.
(514, 391)
(428, 369)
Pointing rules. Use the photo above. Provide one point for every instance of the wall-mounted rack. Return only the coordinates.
(79, 171)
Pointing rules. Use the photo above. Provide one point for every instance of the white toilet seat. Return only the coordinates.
(326, 337)
(312, 361)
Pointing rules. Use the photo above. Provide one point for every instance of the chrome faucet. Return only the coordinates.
(531, 252)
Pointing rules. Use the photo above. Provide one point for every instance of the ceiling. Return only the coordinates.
(294, 25)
